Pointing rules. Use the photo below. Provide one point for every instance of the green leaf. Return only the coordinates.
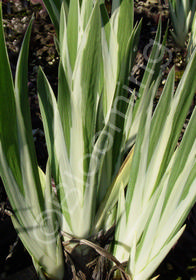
(139, 163)
(163, 108)
(46, 99)
(152, 73)
(28, 155)
(8, 124)
(181, 103)
(63, 45)
(73, 30)
(154, 62)
(53, 7)
(185, 154)
(125, 27)
(90, 76)
(85, 91)
(58, 156)
(113, 192)
(64, 104)
(86, 12)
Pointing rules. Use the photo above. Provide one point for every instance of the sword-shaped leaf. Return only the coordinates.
(54, 7)
(23, 183)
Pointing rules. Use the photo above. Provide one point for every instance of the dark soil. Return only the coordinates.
(181, 261)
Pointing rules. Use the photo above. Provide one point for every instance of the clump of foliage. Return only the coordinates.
(112, 160)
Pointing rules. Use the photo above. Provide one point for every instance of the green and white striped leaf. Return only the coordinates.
(166, 199)
(114, 191)
(151, 74)
(22, 183)
(61, 169)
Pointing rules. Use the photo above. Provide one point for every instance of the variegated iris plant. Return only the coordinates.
(181, 13)
(113, 159)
